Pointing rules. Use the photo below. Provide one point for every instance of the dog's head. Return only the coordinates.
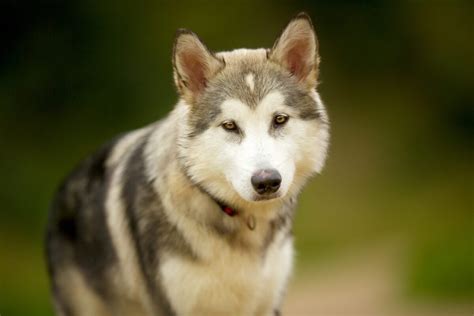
(254, 127)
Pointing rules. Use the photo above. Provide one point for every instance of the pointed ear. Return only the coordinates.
(194, 65)
(297, 50)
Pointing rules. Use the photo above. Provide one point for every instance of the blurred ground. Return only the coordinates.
(363, 282)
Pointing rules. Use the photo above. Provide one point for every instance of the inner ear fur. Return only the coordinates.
(297, 50)
(194, 65)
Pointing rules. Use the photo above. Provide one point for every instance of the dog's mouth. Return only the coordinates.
(262, 198)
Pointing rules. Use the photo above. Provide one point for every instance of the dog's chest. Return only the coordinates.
(232, 282)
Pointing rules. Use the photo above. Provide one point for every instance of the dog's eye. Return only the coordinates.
(280, 119)
(230, 126)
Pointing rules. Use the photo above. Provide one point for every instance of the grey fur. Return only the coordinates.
(151, 232)
(75, 233)
(78, 235)
(143, 167)
(230, 83)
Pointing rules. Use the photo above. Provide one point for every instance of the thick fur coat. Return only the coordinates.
(192, 215)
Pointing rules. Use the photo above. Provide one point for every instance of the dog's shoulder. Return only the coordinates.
(82, 183)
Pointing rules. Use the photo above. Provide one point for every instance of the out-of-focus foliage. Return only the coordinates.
(396, 76)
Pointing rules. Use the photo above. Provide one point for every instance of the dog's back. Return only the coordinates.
(79, 247)
(83, 261)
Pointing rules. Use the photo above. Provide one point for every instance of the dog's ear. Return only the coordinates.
(297, 50)
(194, 65)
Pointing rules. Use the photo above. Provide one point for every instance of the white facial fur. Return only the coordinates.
(224, 162)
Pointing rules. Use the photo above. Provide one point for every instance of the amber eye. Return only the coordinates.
(229, 126)
(280, 119)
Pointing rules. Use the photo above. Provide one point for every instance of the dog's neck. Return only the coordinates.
(224, 207)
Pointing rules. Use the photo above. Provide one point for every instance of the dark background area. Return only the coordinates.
(397, 79)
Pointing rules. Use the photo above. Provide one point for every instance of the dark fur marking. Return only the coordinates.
(306, 106)
(146, 253)
(282, 221)
(151, 231)
(77, 231)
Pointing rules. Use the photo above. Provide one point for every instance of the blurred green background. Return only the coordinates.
(387, 229)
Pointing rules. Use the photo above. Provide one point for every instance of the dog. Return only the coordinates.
(192, 215)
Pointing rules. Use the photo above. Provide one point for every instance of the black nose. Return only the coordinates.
(266, 181)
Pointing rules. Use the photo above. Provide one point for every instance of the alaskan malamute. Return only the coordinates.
(192, 215)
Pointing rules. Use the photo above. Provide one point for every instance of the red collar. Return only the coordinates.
(225, 208)
(232, 212)
(228, 210)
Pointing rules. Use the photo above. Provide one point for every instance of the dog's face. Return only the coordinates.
(255, 127)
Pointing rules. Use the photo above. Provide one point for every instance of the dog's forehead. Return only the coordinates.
(271, 103)
(249, 76)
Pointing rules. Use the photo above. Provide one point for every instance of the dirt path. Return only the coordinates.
(362, 284)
